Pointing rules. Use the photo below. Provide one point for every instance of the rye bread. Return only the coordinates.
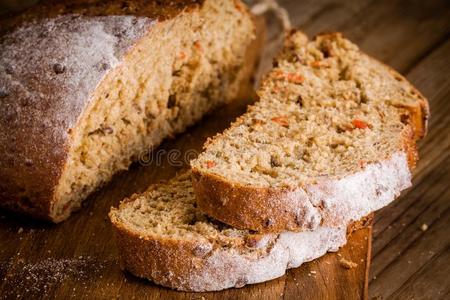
(331, 139)
(87, 86)
(162, 236)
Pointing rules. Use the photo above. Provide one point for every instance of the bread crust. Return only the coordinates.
(305, 208)
(177, 264)
(153, 9)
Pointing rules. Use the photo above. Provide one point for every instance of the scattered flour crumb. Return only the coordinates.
(39, 278)
(424, 227)
(347, 263)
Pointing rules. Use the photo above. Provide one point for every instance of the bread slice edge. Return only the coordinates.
(329, 202)
(175, 264)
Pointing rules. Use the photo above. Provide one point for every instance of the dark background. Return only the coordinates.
(411, 237)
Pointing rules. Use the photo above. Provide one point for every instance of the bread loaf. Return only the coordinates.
(332, 139)
(162, 236)
(86, 86)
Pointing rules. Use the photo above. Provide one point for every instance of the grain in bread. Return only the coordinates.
(86, 86)
(162, 236)
(332, 138)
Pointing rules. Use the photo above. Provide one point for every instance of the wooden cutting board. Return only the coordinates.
(78, 258)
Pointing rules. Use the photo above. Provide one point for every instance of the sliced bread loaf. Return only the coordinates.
(332, 138)
(164, 237)
(86, 86)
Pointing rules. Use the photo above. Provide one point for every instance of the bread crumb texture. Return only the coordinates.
(332, 138)
(326, 110)
(96, 90)
(192, 72)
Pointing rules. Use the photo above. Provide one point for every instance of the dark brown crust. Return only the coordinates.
(157, 10)
(276, 210)
(248, 207)
(34, 146)
(163, 261)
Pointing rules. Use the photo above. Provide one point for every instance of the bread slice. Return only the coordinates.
(86, 86)
(332, 138)
(162, 236)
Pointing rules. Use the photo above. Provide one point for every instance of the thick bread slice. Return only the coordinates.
(332, 139)
(87, 86)
(164, 237)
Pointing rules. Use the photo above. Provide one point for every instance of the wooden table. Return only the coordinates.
(411, 237)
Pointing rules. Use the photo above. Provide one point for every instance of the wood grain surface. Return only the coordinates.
(411, 237)
(53, 262)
